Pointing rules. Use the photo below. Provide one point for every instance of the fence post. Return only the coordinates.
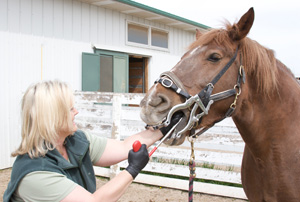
(116, 127)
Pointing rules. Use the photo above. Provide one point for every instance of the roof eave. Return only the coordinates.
(163, 13)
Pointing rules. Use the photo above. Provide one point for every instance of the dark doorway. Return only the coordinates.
(138, 74)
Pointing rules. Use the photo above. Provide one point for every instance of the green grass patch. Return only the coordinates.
(195, 180)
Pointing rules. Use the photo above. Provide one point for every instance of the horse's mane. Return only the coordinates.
(259, 62)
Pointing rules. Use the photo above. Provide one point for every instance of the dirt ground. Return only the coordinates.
(140, 193)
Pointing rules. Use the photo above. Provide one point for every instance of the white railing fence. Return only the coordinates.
(218, 152)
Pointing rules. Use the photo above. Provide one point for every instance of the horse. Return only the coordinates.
(224, 74)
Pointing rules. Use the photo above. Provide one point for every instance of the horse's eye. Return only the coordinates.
(215, 57)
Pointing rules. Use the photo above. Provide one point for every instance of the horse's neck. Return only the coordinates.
(261, 119)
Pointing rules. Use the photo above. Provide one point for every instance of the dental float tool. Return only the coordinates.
(137, 144)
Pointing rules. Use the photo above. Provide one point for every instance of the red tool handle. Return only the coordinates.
(136, 146)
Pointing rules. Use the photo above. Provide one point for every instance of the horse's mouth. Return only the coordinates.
(156, 119)
(175, 138)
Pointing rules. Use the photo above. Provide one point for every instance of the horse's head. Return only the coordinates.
(211, 66)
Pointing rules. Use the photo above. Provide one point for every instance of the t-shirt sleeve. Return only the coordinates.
(97, 146)
(44, 186)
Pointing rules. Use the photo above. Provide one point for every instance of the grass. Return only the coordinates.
(198, 164)
(208, 165)
(201, 165)
(185, 163)
(195, 180)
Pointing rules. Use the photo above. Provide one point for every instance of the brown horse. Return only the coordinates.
(224, 74)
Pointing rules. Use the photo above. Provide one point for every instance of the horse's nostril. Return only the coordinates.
(163, 99)
(161, 102)
(154, 101)
(164, 102)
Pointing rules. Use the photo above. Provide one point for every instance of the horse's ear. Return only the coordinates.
(198, 34)
(242, 28)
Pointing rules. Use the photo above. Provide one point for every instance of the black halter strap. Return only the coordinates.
(205, 94)
(170, 80)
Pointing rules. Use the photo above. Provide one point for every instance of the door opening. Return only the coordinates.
(138, 74)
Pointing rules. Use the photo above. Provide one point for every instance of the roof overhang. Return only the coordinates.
(149, 13)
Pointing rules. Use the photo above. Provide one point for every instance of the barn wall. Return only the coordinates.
(44, 39)
(78, 21)
(26, 59)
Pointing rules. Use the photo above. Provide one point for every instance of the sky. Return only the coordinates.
(276, 24)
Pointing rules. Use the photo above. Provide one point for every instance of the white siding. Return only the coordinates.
(24, 60)
(37, 17)
(3, 15)
(25, 16)
(58, 17)
(44, 39)
(67, 19)
(78, 21)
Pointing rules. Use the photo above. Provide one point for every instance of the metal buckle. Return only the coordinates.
(166, 84)
(210, 84)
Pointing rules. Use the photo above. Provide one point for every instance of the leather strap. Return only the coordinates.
(170, 80)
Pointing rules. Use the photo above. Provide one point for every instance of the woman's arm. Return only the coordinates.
(117, 151)
(111, 191)
(50, 186)
(115, 188)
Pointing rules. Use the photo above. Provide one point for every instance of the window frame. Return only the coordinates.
(159, 30)
(149, 46)
(135, 43)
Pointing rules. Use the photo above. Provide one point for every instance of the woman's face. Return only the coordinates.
(66, 132)
(73, 112)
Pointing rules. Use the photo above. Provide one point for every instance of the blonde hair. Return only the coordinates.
(45, 111)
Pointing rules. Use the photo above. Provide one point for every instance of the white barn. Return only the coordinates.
(94, 45)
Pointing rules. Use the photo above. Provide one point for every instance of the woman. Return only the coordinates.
(55, 160)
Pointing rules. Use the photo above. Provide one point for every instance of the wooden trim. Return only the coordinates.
(146, 61)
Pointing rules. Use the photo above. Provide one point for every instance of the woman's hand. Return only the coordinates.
(137, 160)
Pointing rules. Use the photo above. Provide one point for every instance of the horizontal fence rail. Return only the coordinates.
(218, 152)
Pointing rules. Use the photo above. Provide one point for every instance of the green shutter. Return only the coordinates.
(90, 72)
(120, 70)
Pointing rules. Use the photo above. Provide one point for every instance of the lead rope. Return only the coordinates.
(192, 167)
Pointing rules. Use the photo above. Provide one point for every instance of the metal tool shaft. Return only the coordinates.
(164, 138)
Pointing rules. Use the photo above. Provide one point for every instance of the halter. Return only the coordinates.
(202, 100)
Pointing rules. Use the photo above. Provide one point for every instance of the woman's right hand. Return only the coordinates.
(137, 160)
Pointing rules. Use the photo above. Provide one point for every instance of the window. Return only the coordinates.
(159, 38)
(137, 34)
(147, 36)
